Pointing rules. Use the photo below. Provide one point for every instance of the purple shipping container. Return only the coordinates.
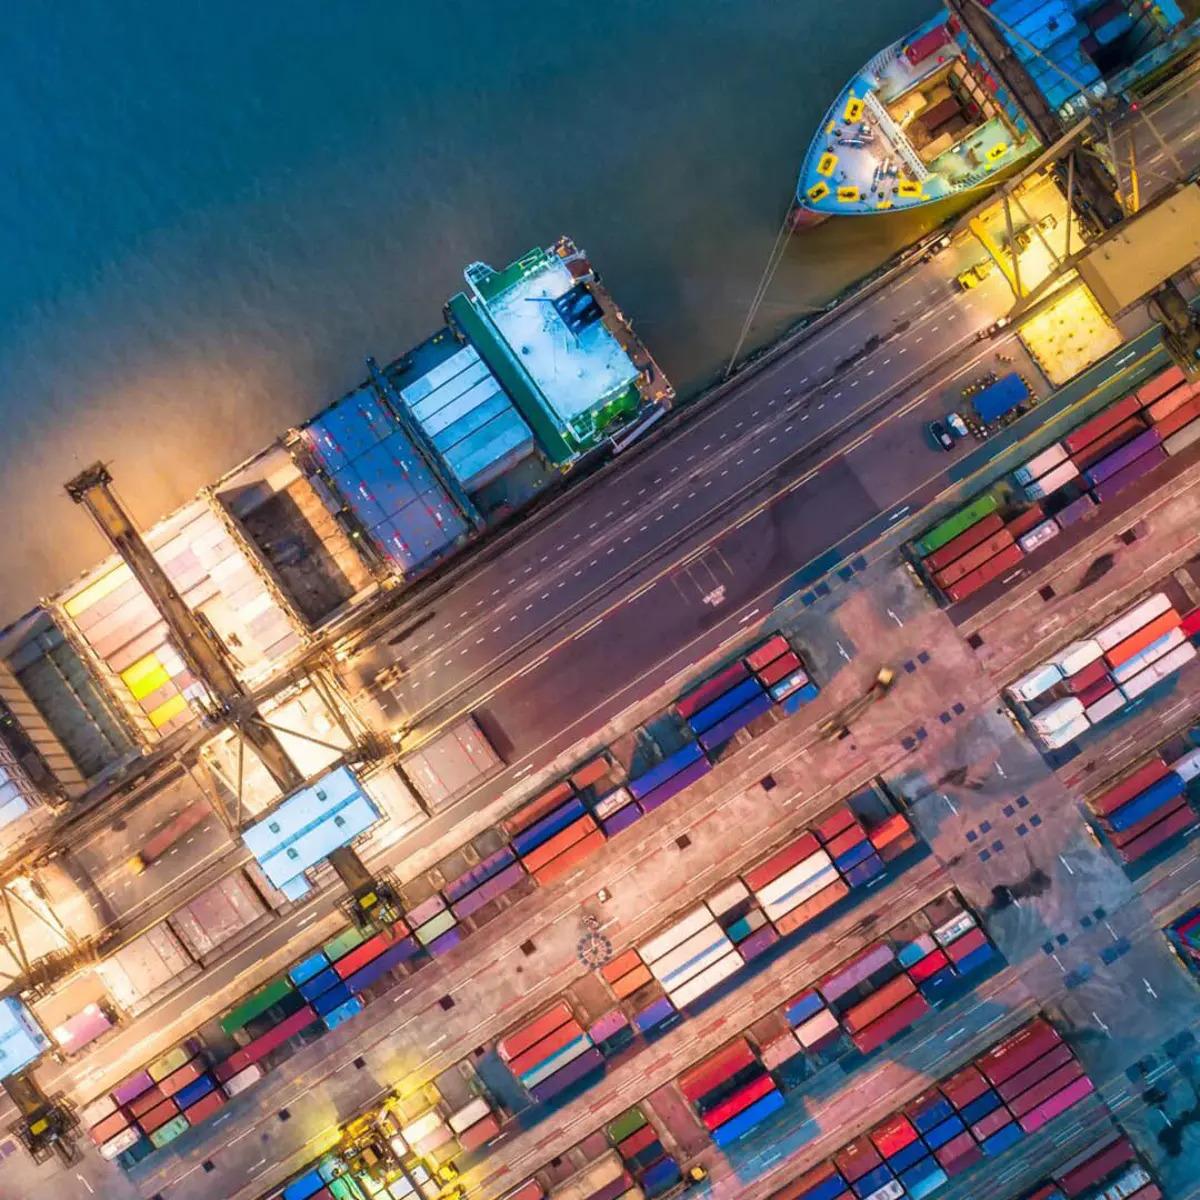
(496, 886)
(760, 940)
(845, 981)
(402, 951)
(572, 1073)
(447, 941)
(425, 911)
(865, 871)
(655, 1014)
(671, 765)
(607, 1025)
(1131, 474)
(1078, 510)
(480, 873)
(132, 1087)
(722, 731)
(1118, 460)
(621, 819)
(676, 784)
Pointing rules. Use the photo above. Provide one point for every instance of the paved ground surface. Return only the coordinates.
(600, 604)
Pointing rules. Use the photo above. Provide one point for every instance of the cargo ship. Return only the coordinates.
(927, 118)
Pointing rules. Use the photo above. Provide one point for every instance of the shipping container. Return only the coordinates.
(967, 540)
(1130, 475)
(973, 558)
(1175, 399)
(1038, 536)
(1052, 481)
(992, 569)
(1131, 646)
(1171, 662)
(685, 756)
(952, 526)
(1160, 385)
(1040, 463)
(1185, 438)
(1100, 424)
(1108, 442)
(1055, 716)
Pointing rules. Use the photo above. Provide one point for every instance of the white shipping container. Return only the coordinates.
(470, 1114)
(1167, 665)
(244, 1079)
(1034, 683)
(688, 957)
(890, 1191)
(708, 979)
(1071, 659)
(778, 1051)
(802, 892)
(1049, 483)
(95, 1112)
(1066, 733)
(1038, 535)
(730, 896)
(797, 877)
(1058, 714)
(128, 1136)
(1152, 653)
(422, 1127)
(1187, 767)
(613, 802)
(687, 926)
(810, 1032)
(1186, 437)
(954, 928)
(1113, 702)
(1039, 464)
(1130, 621)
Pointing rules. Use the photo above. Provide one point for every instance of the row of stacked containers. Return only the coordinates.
(1112, 1172)
(544, 840)
(1061, 485)
(977, 1113)
(1093, 679)
(1149, 807)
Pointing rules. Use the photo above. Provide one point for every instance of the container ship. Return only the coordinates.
(930, 117)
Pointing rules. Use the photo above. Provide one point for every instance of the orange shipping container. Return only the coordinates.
(876, 1004)
(570, 859)
(1008, 558)
(1136, 643)
(1170, 402)
(974, 558)
(536, 809)
(621, 965)
(805, 911)
(1174, 422)
(628, 984)
(561, 841)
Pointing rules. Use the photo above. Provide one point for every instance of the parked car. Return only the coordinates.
(940, 435)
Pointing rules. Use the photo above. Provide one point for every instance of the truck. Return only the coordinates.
(159, 843)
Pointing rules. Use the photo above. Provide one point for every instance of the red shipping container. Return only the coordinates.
(1114, 438)
(741, 1099)
(722, 1065)
(898, 846)
(958, 1154)
(970, 941)
(480, 1133)
(157, 1117)
(1130, 786)
(992, 1123)
(1160, 385)
(1053, 1083)
(1150, 1192)
(860, 1015)
(782, 860)
(931, 964)
(541, 1026)
(781, 668)
(1097, 691)
(363, 954)
(847, 840)
(590, 772)
(958, 546)
(1176, 823)
(1183, 416)
(151, 1098)
(893, 1135)
(1125, 836)
(107, 1129)
(1017, 1051)
(1191, 623)
(536, 809)
(552, 847)
(635, 1143)
(1092, 674)
(204, 1108)
(964, 1086)
(1175, 398)
(718, 685)
(1025, 521)
(891, 1023)
(1149, 633)
(839, 820)
(1101, 423)
(768, 652)
(888, 831)
(968, 585)
(981, 554)
(274, 1038)
(1022, 1081)
(570, 859)
(1057, 1105)
(551, 1044)
(855, 1159)
(186, 1074)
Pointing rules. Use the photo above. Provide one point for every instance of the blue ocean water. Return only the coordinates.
(210, 213)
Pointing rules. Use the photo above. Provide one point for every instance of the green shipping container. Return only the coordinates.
(953, 525)
(341, 945)
(169, 1132)
(256, 1005)
(628, 1122)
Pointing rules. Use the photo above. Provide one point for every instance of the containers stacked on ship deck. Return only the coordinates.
(732, 1092)
(1148, 807)
(550, 1053)
(691, 956)
(1089, 680)
(771, 673)
(643, 1154)
(554, 833)
(968, 549)
(1013, 1089)
(155, 1105)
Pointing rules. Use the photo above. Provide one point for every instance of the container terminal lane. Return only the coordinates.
(705, 534)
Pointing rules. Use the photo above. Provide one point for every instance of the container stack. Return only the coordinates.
(474, 1125)
(434, 925)
(968, 549)
(642, 1152)
(626, 973)
(691, 956)
(550, 1053)
(1148, 807)
(485, 882)
(979, 1112)
(1111, 1171)
(1185, 936)
(1088, 681)
(780, 669)
(854, 854)
(796, 883)
(873, 997)
(669, 777)
(732, 1092)
(742, 920)
(554, 833)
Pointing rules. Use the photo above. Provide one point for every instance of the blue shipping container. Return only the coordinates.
(331, 999)
(343, 1012)
(673, 786)
(941, 1133)
(723, 705)
(305, 1186)
(671, 765)
(543, 830)
(746, 1120)
(935, 1117)
(722, 731)
(1144, 803)
(1001, 1141)
(303, 971)
(318, 985)
(196, 1090)
(805, 1007)
(980, 1107)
